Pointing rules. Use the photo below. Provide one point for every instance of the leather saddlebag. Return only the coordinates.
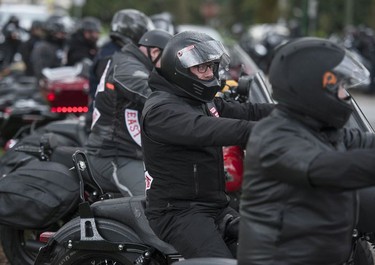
(37, 195)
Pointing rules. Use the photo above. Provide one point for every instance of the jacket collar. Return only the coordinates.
(132, 49)
(158, 83)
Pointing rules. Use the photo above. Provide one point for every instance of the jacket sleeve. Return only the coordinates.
(172, 125)
(246, 111)
(41, 57)
(285, 160)
(131, 79)
(350, 169)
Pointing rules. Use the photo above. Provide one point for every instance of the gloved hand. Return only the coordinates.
(229, 226)
(228, 88)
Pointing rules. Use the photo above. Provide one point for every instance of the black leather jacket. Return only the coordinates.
(299, 202)
(119, 100)
(47, 54)
(182, 143)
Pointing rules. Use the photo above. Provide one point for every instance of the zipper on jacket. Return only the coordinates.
(195, 173)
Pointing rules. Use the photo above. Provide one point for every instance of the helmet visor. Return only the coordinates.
(351, 73)
(202, 53)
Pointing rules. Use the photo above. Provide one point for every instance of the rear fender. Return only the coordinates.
(99, 234)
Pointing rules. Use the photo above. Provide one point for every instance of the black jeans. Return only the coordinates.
(194, 231)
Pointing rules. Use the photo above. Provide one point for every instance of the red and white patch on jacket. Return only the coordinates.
(95, 117)
(214, 112)
(148, 180)
(133, 126)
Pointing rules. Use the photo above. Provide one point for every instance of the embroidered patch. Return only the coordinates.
(110, 86)
(214, 112)
(148, 180)
(133, 126)
(95, 117)
(101, 85)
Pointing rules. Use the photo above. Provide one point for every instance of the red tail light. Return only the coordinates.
(9, 144)
(45, 236)
(79, 109)
(51, 97)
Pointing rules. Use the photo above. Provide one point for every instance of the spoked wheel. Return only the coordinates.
(20, 246)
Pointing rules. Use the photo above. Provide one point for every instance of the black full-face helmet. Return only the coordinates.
(306, 75)
(188, 49)
(128, 25)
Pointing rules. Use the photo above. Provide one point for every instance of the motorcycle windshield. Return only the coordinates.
(351, 73)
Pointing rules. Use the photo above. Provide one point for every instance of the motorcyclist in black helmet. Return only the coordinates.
(303, 164)
(83, 42)
(184, 128)
(50, 52)
(127, 26)
(164, 21)
(12, 33)
(114, 144)
(36, 35)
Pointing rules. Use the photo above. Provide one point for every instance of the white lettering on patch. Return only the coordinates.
(133, 126)
(214, 112)
(148, 180)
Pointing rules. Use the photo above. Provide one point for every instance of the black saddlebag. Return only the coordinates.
(37, 195)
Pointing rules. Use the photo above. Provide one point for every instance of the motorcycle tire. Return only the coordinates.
(19, 246)
(363, 254)
(110, 230)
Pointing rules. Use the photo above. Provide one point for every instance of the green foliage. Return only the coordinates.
(332, 14)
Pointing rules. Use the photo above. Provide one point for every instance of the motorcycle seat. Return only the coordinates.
(130, 211)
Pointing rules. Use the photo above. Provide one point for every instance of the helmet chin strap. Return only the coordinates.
(150, 57)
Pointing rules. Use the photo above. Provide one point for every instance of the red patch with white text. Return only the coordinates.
(148, 180)
(214, 112)
(133, 126)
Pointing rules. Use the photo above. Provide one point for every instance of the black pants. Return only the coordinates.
(194, 231)
(129, 178)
